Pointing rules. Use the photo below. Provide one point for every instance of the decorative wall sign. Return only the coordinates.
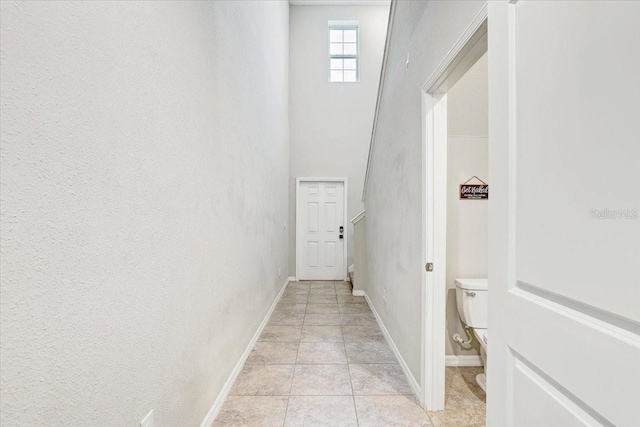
(474, 191)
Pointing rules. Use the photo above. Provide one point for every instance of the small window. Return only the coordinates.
(343, 51)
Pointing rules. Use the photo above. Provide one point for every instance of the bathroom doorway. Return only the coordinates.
(454, 82)
(466, 262)
(467, 215)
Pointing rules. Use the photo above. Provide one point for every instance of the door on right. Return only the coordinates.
(564, 226)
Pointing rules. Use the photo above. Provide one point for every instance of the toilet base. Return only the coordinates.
(481, 379)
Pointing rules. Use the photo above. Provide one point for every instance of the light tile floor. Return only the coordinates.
(464, 400)
(323, 361)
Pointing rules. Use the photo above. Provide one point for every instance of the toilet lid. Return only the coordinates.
(472, 284)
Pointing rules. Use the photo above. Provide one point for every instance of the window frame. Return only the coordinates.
(349, 26)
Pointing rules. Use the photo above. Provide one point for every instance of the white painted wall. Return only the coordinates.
(426, 31)
(331, 123)
(467, 102)
(360, 267)
(144, 148)
(467, 220)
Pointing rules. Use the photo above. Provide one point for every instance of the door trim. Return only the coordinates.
(344, 216)
(471, 45)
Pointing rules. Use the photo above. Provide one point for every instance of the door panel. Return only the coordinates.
(564, 264)
(331, 217)
(532, 386)
(313, 224)
(330, 254)
(578, 149)
(321, 214)
(313, 254)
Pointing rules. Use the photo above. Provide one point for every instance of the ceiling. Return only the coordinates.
(339, 2)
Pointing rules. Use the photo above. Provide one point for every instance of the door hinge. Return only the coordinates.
(429, 266)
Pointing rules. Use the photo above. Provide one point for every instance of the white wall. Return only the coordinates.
(467, 220)
(144, 193)
(468, 102)
(331, 122)
(360, 267)
(426, 31)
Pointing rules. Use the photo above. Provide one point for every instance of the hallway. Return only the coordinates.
(169, 170)
(322, 360)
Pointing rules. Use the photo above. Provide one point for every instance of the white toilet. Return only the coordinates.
(472, 297)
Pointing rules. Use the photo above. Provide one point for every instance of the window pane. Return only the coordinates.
(336, 76)
(350, 49)
(350, 76)
(336, 64)
(349, 64)
(335, 49)
(335, 36)
(350, 36)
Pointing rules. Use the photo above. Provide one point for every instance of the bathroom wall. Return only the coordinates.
(467, 155)
(331, 122)
(144, 167)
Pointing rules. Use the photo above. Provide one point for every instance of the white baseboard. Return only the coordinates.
(291, 279)
(415, 385)
(222, 396)
(358, 293)
(463, 360)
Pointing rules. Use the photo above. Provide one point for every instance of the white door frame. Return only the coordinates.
(466, 51)
(344, 216)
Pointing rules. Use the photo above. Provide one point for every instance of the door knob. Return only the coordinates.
(342, 236)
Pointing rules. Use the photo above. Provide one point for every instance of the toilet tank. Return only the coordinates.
(472, 300)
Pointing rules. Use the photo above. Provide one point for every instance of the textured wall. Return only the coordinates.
(360, 269)
(331, 122)
(144, 197)
(426, 31)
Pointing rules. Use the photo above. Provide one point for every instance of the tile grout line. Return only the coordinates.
(325, 395)
(295, 362)
(353, 393)
(356, 316)
(346, 356)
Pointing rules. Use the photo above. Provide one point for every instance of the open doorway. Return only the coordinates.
(467, 243)
(450, 245)
(467, 221)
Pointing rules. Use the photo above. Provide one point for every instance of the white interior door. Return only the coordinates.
(321, 229)
(564, 235)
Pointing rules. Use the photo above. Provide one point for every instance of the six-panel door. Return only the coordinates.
(320, 218)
